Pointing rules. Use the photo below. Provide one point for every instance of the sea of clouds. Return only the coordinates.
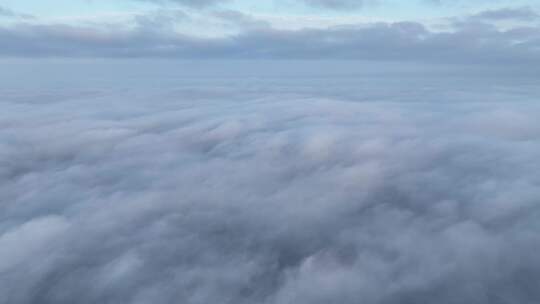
(274, 193)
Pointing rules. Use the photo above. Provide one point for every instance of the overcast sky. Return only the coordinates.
(492, 32)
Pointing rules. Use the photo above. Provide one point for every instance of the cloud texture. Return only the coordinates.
(470, 39)
(208, 193)
(520, 13)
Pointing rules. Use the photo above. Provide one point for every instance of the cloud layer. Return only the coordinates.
(477, 38)
(520, 13)
(269, 192)
(403, 41)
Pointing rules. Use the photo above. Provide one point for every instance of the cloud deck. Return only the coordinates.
(207, 195)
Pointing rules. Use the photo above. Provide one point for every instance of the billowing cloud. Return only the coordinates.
(270, 191)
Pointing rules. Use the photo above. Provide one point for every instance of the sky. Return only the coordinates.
(418, 30)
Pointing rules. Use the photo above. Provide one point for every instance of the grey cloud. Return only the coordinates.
(257, 191)
(336, 4)
(160, 20)
(242, 20)
(522, 13)
(403, 41)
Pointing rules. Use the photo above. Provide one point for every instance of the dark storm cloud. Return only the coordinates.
(404, 41)
(195, 195)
